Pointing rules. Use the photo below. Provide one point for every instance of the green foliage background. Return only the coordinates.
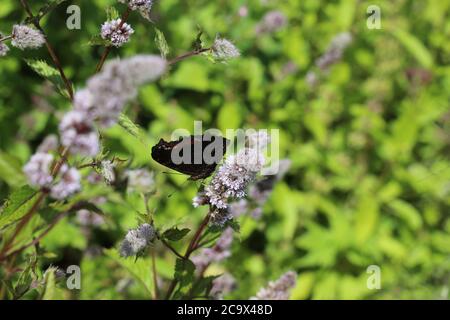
(370, 176)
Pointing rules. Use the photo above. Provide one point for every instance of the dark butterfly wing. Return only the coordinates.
(196, 156)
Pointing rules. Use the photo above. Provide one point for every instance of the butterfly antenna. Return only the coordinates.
(176, 173)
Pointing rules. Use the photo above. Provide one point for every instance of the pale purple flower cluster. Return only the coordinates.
(333, 55)
(25, 37)
(117, 32)
(50, 143)
(233, 177)
(335, 51)
(107, 171)
(69, 183)
(140, 180)
(200, 200)
(271, 22)
(38, 172)
(108, 91)
(78, 133)
(259, 193)
(219, 252)
(258, 140)
(222, 285)
(279, 289)
(38, 169)
(287, 69)
(238, 208)
(243, 11)
(136, 240)
(88, 218)
(224, 49)
(138, 4)
(3, 47)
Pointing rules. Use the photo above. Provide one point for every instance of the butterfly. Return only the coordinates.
(195, 155)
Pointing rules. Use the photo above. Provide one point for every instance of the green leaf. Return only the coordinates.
(129, 126)
(139, 269)
(366, 218)
(18, 204)
(203, 286)
(184, 271)
(190, 75)
(24, 281)
(49, 284)
(175, 234)
(414, 47)
(46, 71)
(161, 43)
(112, 13)
(198, 43)
(229, 117)
(407, 213)
(45, 9)
(97, 40)
(11, 170)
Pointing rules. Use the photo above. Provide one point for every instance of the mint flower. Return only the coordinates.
(279, 289)
(143, 6)
(222, 285)
(78, 134)
(136, 240)
(140, 180)
(88, 218)
(50, 143)
(138, 4)
(108, 91)
(233, 177)
(25, 37)
(3, 47)
(224, 50)
(335, 50)
(107, 171)
(68, 184)
(116, 32)
(219, 252)
(38, 169)
(271, 22)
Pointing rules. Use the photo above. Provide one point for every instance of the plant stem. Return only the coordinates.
(60, 162)
(23, 222)
(189, 250)
(187, 55)
(6, 39)
(42, 195)
(105, 54)
(164, 242)
(36, 240)
(50, 49)
(155, 275)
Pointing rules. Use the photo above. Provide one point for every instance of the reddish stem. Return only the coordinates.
(50, 49)
(187, 55)
(105, 54)
(189, 250)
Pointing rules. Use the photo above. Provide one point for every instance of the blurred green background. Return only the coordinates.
(369, 143)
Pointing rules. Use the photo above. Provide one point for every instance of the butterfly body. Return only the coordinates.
(196, 156)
